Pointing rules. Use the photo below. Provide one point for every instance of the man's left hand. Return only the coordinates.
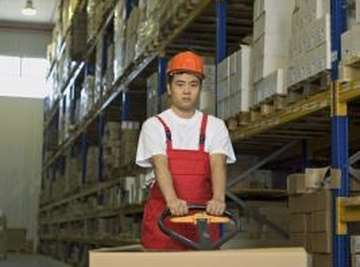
(215, 207)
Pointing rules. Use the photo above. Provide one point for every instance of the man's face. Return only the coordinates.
(184, 91)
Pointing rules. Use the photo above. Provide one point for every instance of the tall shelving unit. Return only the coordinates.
(322, 116)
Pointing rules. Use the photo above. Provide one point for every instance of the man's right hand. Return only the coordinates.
(177, 207)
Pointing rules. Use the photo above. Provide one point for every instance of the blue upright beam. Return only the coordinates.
(162, 63)
(125, 115)
(128, 8)
(338, 26)
(339, 128)
(221, 9)
(305, 155)
(162, 75)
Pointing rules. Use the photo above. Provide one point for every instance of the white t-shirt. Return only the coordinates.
(185, 135)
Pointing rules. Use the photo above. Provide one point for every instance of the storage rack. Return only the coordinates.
(307, 120)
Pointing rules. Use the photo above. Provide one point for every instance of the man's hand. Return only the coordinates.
(177, 207)
(215, 207)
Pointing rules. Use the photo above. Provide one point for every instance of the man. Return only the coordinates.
(188, 151)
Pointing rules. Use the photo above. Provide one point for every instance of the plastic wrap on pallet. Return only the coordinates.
(269, 53)
(91, 7)
(109, 72)
(78, 36)
(99, 66)
(119, 39)
(148, 33)
(131, 35)
(272, 31)
(309, 52)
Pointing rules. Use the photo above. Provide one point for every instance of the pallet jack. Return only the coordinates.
(201, 219)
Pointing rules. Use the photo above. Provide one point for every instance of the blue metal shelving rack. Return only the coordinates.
(339, 134)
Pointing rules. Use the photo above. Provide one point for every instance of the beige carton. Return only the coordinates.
(134, 257)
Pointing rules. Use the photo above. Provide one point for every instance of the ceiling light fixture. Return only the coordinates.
(29, 9)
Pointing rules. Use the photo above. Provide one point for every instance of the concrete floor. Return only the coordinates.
(30, 260)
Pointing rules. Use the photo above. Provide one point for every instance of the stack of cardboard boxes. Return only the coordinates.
(131, 35)
(350, 47)
(112, 149)
(207, 93)
(234, 88)
(72, 173)
(129, 139)
(355, 251)
(269, 54)
(92, 165)
(119, 39)
(310, 207)
(310, 40)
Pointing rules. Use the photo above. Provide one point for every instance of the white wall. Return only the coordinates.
(21, 122)
(24, 42)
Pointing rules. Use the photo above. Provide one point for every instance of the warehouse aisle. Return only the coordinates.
(30, 260)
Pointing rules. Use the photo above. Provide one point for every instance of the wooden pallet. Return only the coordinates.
(349, 70)
(242, 118)
(267, 106)
(308, 87)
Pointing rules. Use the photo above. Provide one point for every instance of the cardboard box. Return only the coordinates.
(355, 260)
(301, 239)
(299, 223)
(322, 200)
(295, 183)
(321, 242)
(16, 239)
(320, 221)
(321, 260)
(132, 256)
(355, 244)
(301, 203)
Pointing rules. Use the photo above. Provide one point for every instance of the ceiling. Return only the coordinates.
(10, 13)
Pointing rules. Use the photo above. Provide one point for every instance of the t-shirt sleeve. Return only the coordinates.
(220, 142)
(151, 142)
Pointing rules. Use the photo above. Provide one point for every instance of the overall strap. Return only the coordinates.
(167, 133)
(202, 131)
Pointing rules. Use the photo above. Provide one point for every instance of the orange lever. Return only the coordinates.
(200, 216)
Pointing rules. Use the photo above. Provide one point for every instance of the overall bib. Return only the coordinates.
(190, 170)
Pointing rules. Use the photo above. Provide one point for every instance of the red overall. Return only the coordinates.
(190, 170)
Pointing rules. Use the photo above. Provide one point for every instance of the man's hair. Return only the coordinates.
(170, 78)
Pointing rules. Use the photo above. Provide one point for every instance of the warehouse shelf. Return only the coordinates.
(349, 91)
(88, 191)
(254, 193)
(129, 75)
(95, 241)
(128, 209)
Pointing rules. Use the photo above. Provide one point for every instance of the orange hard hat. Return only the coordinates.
(187, 62)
